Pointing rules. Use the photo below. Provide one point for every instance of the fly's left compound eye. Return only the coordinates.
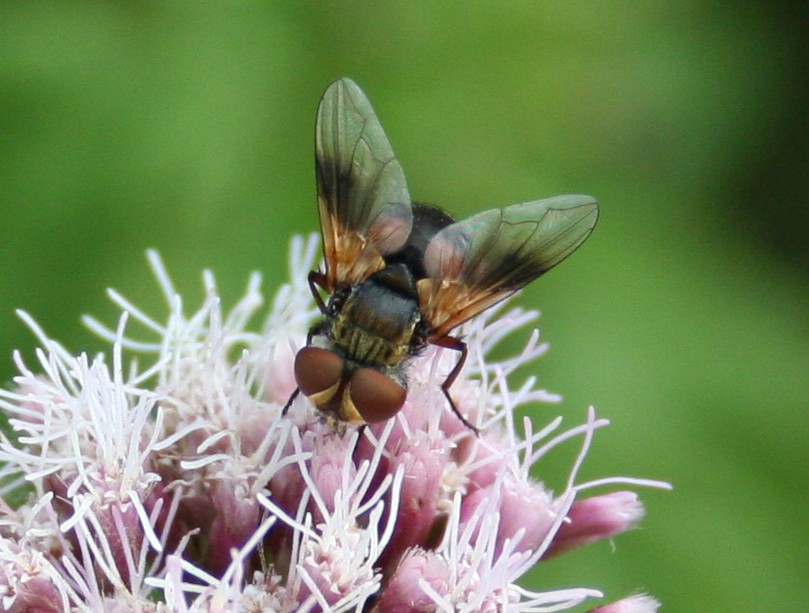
(318, 373)
(375, 396)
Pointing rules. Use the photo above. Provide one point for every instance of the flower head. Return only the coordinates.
(174, 482)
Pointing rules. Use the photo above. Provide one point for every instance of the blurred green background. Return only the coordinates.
(189, 128)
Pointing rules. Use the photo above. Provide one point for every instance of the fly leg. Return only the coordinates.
(294, 395)
(318, 279)
(456, 344)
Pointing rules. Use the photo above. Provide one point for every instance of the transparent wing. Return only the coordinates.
(364, 205)
(477, 262)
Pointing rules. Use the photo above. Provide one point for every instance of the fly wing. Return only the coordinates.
(477, 262)
(364, 205)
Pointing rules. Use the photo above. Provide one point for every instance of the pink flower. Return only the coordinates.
(633, 604)
(172, 481)
(596, 518)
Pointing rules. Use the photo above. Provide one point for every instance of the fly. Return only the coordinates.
(401, 275)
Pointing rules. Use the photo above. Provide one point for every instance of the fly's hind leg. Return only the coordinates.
(456, 344)
(318, 279)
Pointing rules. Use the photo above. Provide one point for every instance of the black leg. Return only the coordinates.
(456, 344)
(294, 395)
(318, 279)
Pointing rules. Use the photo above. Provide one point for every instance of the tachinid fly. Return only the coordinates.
(402, 275)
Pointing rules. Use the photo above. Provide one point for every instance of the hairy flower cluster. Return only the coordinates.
(173, 482)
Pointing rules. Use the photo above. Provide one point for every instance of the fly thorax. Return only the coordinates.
(376, 323)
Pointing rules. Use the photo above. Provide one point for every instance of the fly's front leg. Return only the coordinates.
(316, 329)
(316, 280)
(294, 395)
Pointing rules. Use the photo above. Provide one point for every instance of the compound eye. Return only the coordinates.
(317, 371)
(375, 396)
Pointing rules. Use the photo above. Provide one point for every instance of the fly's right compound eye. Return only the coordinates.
(375, 395)
(318, 373)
